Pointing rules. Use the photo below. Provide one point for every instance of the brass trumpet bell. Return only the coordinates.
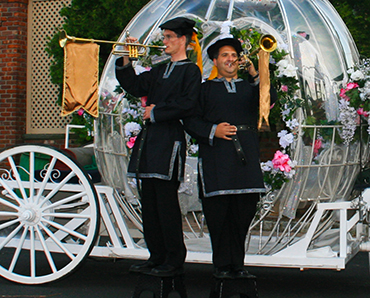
(268, 43)
(134, 49)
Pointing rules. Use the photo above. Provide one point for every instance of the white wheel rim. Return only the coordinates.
(47, 223)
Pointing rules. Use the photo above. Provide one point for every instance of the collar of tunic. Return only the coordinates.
(171, 65)
(230, 86)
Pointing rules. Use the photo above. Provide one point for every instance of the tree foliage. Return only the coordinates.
(355, 15)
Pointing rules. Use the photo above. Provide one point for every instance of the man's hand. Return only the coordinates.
(147, 112)
(129, 39)
(224, 129)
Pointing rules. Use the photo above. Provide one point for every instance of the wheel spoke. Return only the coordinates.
(63, 201)
(65, 229)
(46, 179)
(9, 223)
(32, 176)
(66, 215)
(56, 240)
(46, 250)
(11, 192)
(7, 214)
(10, 236)
(57, 188)
(18, 178)
(18, 250)
(5, 202)
(32, 253)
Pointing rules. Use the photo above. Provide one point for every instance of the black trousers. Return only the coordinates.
(228, 218)
(162, 221)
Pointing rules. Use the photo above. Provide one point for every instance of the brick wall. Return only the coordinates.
(13, 71)
(269, 143)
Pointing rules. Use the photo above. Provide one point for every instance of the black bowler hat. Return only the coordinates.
(229, 41)
(180, 25)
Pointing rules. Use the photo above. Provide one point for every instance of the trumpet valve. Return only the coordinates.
(245, 61)
(133, 52)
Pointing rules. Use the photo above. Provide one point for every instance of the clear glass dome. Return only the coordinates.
(319, 45)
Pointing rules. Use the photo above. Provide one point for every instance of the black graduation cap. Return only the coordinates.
(179, 25)
(229, 41)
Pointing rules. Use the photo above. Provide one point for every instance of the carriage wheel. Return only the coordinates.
(49, 214)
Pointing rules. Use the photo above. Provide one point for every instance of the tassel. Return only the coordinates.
(196, 46)
(264, 73)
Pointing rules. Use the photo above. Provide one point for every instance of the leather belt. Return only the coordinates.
(238, 146)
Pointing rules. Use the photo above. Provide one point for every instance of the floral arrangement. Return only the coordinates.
(354, 104)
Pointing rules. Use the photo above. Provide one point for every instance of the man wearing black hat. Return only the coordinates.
(230, 176)
(158, 155)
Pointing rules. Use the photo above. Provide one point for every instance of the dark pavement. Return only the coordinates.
(108, 278)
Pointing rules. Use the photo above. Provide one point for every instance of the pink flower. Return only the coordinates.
(281, 162)
(284, 88)
(131, 142)
(361, 112)
(343, 95)
(80, 112)
(352, 86)
(143, 101)
(317, 146)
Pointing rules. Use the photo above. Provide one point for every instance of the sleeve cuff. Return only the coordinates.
(120, 67)
(152, 119)
(212, 134)
(256, 82)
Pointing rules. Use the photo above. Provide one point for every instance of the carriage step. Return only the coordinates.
(225, 288)
(160, 287)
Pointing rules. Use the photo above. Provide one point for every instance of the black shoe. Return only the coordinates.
(242, 273)
(166, 271)
(223, 274)
(143, 267)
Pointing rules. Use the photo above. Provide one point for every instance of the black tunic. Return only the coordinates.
(220, 167)
(174, 89)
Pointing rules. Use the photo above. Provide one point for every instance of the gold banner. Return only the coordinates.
(81, 69)
(264, 74)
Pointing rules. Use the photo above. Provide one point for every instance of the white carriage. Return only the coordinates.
(52, 216)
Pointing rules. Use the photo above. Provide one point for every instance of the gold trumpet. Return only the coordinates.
(134, 49)
(267, 43)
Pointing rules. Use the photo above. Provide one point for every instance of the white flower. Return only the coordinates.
(132, 129)
(286, 111)
(286, 69)
(357, 75)
(267, 166)
(156, 36)
(285, 138)
(292, 163)
(290, 71)
(292, 123)
(290, 174)
(282, 64)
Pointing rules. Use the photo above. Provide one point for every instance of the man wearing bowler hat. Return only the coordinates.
(230, 176)
(158, 155)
